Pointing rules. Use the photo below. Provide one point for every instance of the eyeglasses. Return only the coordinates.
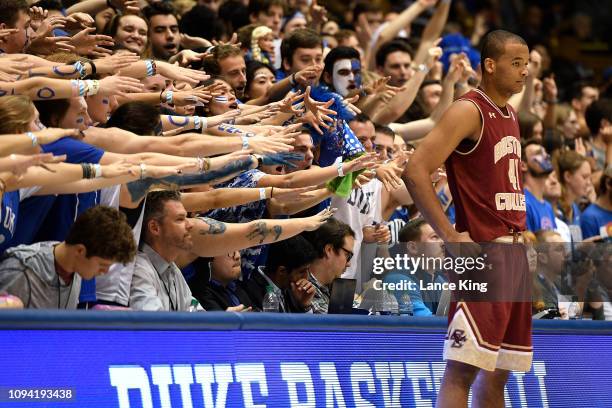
(349, 254)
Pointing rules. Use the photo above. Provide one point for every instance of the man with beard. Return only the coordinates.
(157, 283)
(536, 167)
(164, 34)
(227, 61)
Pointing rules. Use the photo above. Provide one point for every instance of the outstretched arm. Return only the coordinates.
(213, 238)
(461, 121)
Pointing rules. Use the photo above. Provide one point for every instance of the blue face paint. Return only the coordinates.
(221, 99)
(356, 68)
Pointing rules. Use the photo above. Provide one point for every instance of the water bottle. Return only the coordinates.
(573, 310)
(271, 302)
(194, 305)
(405, 305)
(389, 305)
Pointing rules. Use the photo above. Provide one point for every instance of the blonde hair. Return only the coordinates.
(257, 34)
(16, 113)
(562, 113)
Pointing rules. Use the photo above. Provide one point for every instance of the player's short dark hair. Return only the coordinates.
(390, 47)
(494, 44)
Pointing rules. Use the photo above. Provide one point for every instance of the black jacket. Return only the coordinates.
(215, 297)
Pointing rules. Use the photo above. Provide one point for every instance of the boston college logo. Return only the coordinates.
(458, 338)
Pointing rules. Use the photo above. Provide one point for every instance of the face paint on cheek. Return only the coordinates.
(356, 68)
(342, 82)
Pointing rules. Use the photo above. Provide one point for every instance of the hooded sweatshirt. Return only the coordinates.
(28, 272)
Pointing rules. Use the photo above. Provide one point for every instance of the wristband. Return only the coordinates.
(93, 68)
(421, 68)
(97, 170)
(79, 85)
(170, 97)
(143, 171)
(339, 167)
(80, 68)
(33, 137)
(292, 80)
(204, 123)
(93, 86)
(203, 164)
(197, 123)
(262, 193)
(245, 142)
(151, 68)
(271, 192)
(88, 171)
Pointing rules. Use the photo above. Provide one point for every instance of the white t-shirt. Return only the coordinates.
(361, 209)
(114, 286)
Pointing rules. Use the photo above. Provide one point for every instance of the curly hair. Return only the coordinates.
(257, 34)
(105, 233)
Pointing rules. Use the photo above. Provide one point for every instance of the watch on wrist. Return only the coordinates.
(421, 68)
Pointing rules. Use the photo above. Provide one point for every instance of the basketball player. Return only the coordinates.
(478, 140)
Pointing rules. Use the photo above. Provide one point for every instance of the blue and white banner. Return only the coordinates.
(277, 368)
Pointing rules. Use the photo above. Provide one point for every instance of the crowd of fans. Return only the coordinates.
(181, 155)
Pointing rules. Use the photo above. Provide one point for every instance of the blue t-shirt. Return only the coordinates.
(8, 219)
(540, 214)
(418, 306)
(50, 217)
(592, 219)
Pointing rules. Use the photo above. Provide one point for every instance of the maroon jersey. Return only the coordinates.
(484, 177)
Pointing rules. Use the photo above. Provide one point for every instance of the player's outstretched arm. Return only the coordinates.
(461, 121)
